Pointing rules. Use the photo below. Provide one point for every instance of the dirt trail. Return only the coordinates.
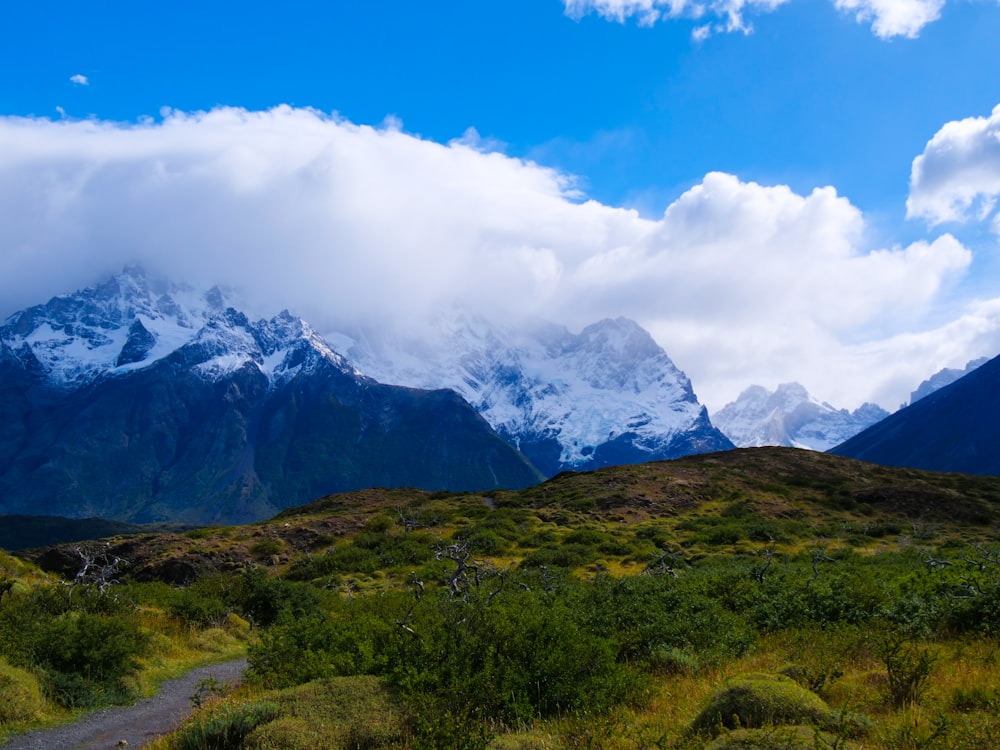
(137, 724)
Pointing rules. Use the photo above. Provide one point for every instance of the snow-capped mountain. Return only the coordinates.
(606, 395)
(944, 377)
(131, 322)
(140, 400)
(789, 416)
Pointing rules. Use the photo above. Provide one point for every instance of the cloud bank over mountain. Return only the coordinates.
(739, 282)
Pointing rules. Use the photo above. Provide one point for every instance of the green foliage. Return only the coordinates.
(85, 646)
(265, 548)
(20, 695)
(759, 701)
(225, 727)
(907, 665)
(86, 657)
(197, 609)
(349, 712)
(264, 600)
(654, 619)
(510, 653)
(563, 556)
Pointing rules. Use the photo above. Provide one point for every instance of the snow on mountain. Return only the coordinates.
(606, 395)
(789, 416)
(944, 377)
(147, 401)
(133, 321)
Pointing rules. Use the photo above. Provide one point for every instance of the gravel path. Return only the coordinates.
(137, 724)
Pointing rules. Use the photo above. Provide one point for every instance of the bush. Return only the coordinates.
(908, 667)
(563, 556)
(20, 695)
(197, 609)
(265, 548)
(87, 657)
(85, 645)
(349, 712)
(264, 600)
(225, 727)
(760, 701)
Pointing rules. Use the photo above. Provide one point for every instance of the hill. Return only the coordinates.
(765, 597)
(739, 500)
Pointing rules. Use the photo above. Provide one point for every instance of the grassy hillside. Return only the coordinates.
(754, 598)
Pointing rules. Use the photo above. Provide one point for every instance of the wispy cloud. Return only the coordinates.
(722, 15)
(80, 80)
(740, 282)
(888, 18)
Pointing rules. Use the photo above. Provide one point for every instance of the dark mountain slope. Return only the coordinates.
(954, 429)
(163, 443)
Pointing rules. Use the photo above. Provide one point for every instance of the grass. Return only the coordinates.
(814, 557)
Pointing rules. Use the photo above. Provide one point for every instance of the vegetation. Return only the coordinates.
(771, 598)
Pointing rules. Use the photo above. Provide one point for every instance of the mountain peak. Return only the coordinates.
(133, 320)
(789, 416)
(609, 394)
(944, 377)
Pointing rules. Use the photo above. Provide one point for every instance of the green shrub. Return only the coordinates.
(483, 541)
(563, 556)
(20, 695)
(908, 667)
(225, 727)
(348, 712)
(196, 609)
(265, 548)
(264, 600)
(87, 657)
(760, 701)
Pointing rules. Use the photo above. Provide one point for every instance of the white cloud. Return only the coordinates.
(739, 282)
(80, 80)
(888, 18)
(957, 177)
(891, 18)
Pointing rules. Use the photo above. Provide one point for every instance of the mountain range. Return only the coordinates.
(607, 395)
(144, 401)
(944, 377)
(790, 417)
(141, 401)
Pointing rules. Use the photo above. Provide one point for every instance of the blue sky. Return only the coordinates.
(587, 100)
